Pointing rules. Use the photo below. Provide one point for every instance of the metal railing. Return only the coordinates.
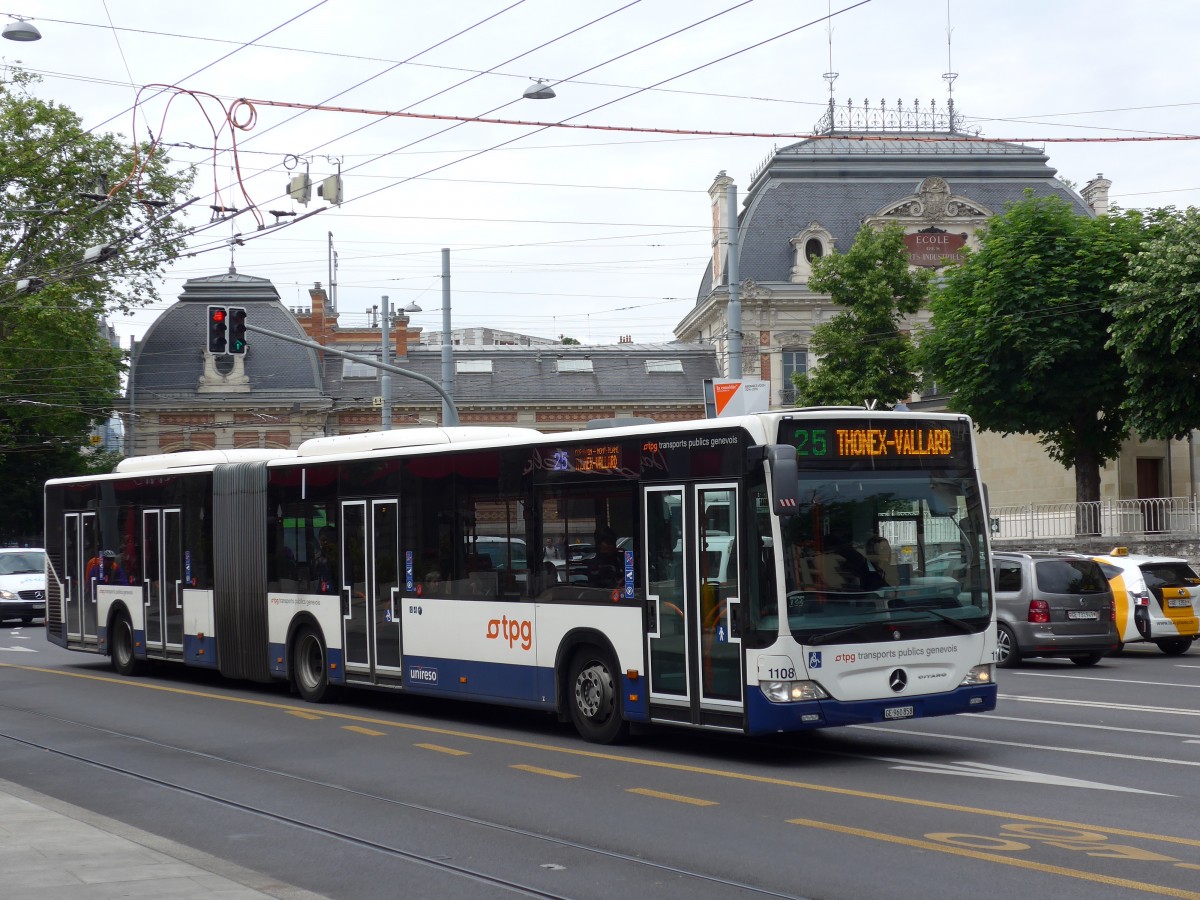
(1099, 518)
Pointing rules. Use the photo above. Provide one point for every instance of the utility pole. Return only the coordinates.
(385, 378)
(447, 347)
(733, 317)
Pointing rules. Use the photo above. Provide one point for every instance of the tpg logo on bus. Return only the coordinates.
(512, 630)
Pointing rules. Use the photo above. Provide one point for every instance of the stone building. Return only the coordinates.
(867, 167)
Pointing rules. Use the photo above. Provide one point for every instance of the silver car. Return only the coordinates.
(1052, 604)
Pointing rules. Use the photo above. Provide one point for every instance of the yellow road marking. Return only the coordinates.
(614, 757)
(997, 858)
(678, 798)
(538, 771)
(303, 714)
(449, 751)
(358, 729)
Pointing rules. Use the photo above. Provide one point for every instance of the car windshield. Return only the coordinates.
(24, 563)
(874, 554)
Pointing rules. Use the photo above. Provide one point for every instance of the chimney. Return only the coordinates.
(1095, 194)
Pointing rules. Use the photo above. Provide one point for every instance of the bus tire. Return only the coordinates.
(1007, 652)
(1174, 646)
(593, 694)
(124, 660)
(310, 666)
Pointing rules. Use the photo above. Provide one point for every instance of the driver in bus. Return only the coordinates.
(605, 568)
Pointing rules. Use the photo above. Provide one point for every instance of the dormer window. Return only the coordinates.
(811, 243)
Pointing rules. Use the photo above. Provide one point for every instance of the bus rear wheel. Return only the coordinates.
(310, 667)
(594, 697)
(124, 661)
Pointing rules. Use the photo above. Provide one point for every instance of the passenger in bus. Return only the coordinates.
(105, 569)
(325, 565)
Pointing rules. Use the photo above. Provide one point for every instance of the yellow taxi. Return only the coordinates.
(1157, 599)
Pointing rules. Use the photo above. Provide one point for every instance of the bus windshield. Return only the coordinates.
(879, 556)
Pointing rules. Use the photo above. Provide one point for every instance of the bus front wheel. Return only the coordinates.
(594, 697)
(310, 668)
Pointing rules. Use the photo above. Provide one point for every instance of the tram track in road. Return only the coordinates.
(703, 880)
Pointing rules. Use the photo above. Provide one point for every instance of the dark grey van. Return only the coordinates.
(1052, 604)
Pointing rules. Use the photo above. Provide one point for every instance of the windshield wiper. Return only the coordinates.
(957, 623)
(841, 632)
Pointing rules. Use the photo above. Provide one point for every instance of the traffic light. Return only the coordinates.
(237, 330)
(217, 326)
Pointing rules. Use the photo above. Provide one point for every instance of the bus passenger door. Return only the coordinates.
(80, 547)
(691, 573)
(716, 530)
(370, 586)
(670, 612)
(385, 584)
(352, 587)
(162, 577)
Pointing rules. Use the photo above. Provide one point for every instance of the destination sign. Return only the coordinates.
(874, 441)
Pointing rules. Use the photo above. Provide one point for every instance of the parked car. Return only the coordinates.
(22, 584)
(1157, 599)
(1052, 604)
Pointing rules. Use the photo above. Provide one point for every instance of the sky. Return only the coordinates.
(589, 233)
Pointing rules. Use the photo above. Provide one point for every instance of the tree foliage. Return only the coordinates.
(1019, 333)
(864, 353)
(1156, 327)
(58, 374)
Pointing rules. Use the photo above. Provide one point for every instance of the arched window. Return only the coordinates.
(814, 241)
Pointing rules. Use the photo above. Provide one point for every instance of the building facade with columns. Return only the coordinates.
(865, 168)
(278, 394)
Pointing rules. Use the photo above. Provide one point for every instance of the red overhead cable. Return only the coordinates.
(884, 136)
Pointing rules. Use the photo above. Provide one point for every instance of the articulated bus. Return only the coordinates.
(760, 574)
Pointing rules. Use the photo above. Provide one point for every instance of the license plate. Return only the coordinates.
(1082, 614)
(898, 712)
(1179, 602)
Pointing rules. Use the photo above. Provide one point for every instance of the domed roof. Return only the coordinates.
(170, 358)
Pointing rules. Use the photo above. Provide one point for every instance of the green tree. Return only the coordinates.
(865, 355)
(58, 375)
(1020, 329)
(1156, 327)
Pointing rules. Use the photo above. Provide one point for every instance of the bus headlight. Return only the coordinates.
(792, 691)
(979, 675)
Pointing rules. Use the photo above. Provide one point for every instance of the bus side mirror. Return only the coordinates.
(785, 479)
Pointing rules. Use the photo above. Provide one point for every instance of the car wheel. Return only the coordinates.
(1007, 652)
(1090, 660)
(1174, 646)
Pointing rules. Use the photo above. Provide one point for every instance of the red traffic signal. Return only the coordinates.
(216, 329)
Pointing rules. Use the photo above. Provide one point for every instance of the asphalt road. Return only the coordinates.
(1083, 783)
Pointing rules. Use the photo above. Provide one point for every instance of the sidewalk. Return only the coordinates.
(51, 849)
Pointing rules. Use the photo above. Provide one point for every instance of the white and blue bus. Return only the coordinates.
(760, 574)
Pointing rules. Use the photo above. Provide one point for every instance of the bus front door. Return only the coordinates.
(81, 556)
(691, 573)
(370, 587)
